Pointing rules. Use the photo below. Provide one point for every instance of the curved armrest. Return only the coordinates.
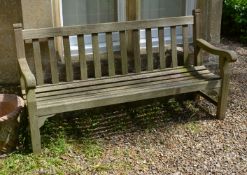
(27, 74)
(231, 56)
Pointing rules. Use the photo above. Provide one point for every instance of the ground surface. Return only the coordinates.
(158, 138)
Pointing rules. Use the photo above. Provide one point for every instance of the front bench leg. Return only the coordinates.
(224, 90)
(226, 57)
(33, 121)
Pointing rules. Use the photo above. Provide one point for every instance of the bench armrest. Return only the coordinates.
(27, 74)
(230, 56)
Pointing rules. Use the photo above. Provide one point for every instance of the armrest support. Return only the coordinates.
(230, 56)
(27, 74)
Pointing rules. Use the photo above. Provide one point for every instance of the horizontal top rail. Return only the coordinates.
(106, 27)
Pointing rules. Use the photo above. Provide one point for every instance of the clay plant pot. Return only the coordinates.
(10, 109)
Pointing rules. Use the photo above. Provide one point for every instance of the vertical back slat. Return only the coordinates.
(174, 47)
(82, 57)
(124, 57)
(96, 55)
(53, 61)
(196, 35)
(162, 47)
(38, 62)
(110, 54)
(67, 58)
(137, 55)
(149, 48)
(186, 44)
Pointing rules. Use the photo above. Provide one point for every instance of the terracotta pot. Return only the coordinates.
(10, 109)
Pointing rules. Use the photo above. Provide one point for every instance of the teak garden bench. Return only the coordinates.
(47, 98)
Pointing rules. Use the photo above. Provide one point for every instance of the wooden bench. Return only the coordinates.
(45, 99)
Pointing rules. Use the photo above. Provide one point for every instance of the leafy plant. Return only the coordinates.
(234, 23)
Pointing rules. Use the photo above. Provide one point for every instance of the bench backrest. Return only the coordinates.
(125, 29)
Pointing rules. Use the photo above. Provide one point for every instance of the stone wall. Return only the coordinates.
(10, 13)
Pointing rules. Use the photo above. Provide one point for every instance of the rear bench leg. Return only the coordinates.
(33, 122)
(224, 91)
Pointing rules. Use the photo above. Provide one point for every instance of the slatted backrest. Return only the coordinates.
(50, 34)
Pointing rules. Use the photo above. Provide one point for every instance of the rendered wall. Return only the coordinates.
(36, 13)
(10, 13)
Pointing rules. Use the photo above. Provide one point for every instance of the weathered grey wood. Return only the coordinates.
(134, 77)
(97, 92)
(82, 91)
(162, 47)
(22, 83)
(174, 47)
(67, 59)
(137, 55)
(38, 62)
(27, 78)
(230, 56)
(127, 96)
(30, 81)
(82, 57)
(33, 121)
(110, 55)
(208, 98)
(46, 100)
(149, 49)
(135, 88)
(53, 61)
(96, 55)
(186, 44)
(197, 35)
(199, 74)
(224, 91)
(123, 49)
(20, 47)
(106, 27)
(42, 120)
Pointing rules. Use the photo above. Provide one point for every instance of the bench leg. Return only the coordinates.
(33, 122)
(35, 134)
(224, 91)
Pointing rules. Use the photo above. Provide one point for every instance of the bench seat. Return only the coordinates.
(53, 99)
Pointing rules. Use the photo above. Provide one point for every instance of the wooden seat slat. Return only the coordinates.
(133, 77)
(199, 75)
(126, 96)
(134, 88)
(125, 85)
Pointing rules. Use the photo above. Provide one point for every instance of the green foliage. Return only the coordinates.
(234, 22)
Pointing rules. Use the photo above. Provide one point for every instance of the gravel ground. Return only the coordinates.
(202, 146)
(190, 141)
